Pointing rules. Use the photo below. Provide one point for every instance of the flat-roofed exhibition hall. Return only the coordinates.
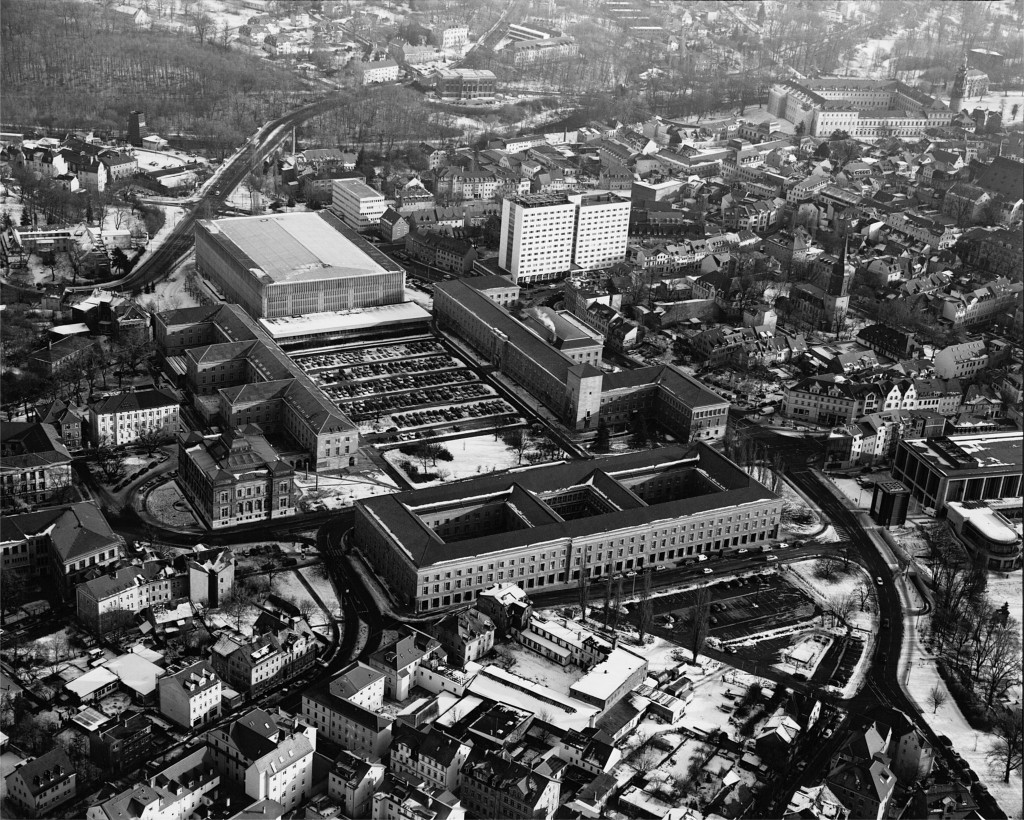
(292, 264)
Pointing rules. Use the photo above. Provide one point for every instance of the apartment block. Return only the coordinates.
(191, 696)
(269, 756)
(494, 786)
(601, 229)
(122, 746)
(348, 711)
(442, 546)
(174, 792)
(398, 799)
(352, 782)
(428, 755)
(36, 465)
(537, 232)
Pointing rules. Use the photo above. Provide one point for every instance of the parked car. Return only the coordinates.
(878, 580)
(708, 570)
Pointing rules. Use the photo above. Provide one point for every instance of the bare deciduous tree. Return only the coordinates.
(701, 618)
(937, 696)
(1007, 751)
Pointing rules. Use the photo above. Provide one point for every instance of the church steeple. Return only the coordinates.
(956, 96)
(842, 274)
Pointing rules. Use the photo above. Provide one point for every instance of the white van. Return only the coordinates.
(702, 557)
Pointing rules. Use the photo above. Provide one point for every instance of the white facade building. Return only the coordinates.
(126, 417)
(537, 232)
(602, 229)
(358, 205)
(191, 696)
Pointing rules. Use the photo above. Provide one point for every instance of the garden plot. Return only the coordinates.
(168, 505)
(471, 456)
(334, 493)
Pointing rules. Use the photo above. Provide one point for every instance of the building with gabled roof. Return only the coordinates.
(129, 416)
(349, 711)
(268, 756)
(35, 466)
(401, 799)
(352, 782)
(65, 543)
(864, 787)
(40, 784)
(495, 786)
(400, 660)
(191, 696)
(429, 755)
(172, 793)
(66, 420)
(223, 353)
(236, 477)
(466, 636)
(60, 356)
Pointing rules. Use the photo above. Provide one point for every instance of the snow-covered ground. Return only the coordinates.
(472, 456)
(288, 586)
(323, 588)
(860, 496)
(336, 492)
(805, 655)
(948, 720)
(851, 581)
(171, 293)
(168, 505)
(534, 667)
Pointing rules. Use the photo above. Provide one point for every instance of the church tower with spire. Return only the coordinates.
(956, 96)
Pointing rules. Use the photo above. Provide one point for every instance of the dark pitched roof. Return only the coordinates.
(134, 400)
(43, 772)
(25, 445)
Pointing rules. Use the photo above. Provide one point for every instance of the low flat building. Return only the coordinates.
(960, 468)
(611, 680)
(442, 546)
(991, 536)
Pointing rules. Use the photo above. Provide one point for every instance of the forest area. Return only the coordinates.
(68, 64)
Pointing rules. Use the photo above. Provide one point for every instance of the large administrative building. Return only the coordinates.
(540, 527)
(293, 264)
(864, 108)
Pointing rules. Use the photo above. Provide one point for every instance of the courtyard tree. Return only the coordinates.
(1007, 750)
(110, 460)
(700, 621)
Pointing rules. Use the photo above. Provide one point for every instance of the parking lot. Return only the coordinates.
(406, 389)
(739, 607)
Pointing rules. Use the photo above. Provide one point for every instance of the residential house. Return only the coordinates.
(352, 782)
(123, 745)
(961, 361)
(508, 607)
(587, 750)
(65, 419)
(191, 696)
(35, 467)
(864, 787)
(393, 226)
(39, 785)
(495, 786)
(895, 344)
(466, 636)
(382, 71)
(428, 755)
(439, 251)
(174, 792)
(348, 711)
(400, 660)
(399, 799)
(267, 755)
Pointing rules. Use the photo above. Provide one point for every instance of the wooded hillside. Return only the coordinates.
(70, 64)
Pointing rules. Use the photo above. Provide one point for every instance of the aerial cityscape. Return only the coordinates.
(515, 409)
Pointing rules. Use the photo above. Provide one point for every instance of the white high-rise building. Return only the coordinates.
(536, 236)
(544, 236)
(358, 205)
(602, 229)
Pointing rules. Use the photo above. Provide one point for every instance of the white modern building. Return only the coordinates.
(358, 205)
(602, 229)
(537, 233)
(127, 417)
